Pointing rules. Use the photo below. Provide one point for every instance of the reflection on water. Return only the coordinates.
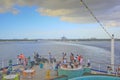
(12, 49)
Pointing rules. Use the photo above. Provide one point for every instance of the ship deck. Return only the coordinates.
(42, 73)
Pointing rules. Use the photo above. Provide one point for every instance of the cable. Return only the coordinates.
(82, 2)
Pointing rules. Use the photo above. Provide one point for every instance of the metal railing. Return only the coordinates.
(5, 62)
(95, 65)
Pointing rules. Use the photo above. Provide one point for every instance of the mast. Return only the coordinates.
(102, 26)
(112, 53)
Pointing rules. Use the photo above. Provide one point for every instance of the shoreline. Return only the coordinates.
(65, 40)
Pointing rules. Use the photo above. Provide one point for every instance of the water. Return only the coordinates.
(106, 45)
(96, 51)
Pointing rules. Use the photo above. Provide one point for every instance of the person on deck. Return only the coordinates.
(22, 58)
(29, 62)
(72, 58)
(118, 71)
(50, 57)
(37, 55)
(81, 60)
(75, 64)
(63, 55)
(88, 63)
(109, 69)
(18, 62)
(34, 56)
(25, 63)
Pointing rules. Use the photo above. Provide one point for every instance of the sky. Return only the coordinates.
(53, 19)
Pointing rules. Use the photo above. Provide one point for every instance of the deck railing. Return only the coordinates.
(99, 66)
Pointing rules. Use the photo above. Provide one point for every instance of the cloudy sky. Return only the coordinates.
(56, 18)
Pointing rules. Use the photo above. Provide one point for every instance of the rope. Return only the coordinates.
(82, 2)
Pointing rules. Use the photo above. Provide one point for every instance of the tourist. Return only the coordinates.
(75, 59)
(81, 60)
(37, 55)
(72, 57)
(63, 55)
(50, 57)
(34, 56)
(65, 63)
(29, 62)
(18, 62)
(88, 63)
(20, 59)
(71, 65)
(109, 69)
(58, 65)
(25, 63)
(75, 64)
(4, 71)
(54, 59)
(118, 70)
(22, 56)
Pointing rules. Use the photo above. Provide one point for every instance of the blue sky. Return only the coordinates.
(41, 21)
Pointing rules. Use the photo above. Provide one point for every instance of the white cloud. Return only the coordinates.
(15, 11)
(107, 11)
(8, 6)
(58, 12)
(77, 19)
(112, 24)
